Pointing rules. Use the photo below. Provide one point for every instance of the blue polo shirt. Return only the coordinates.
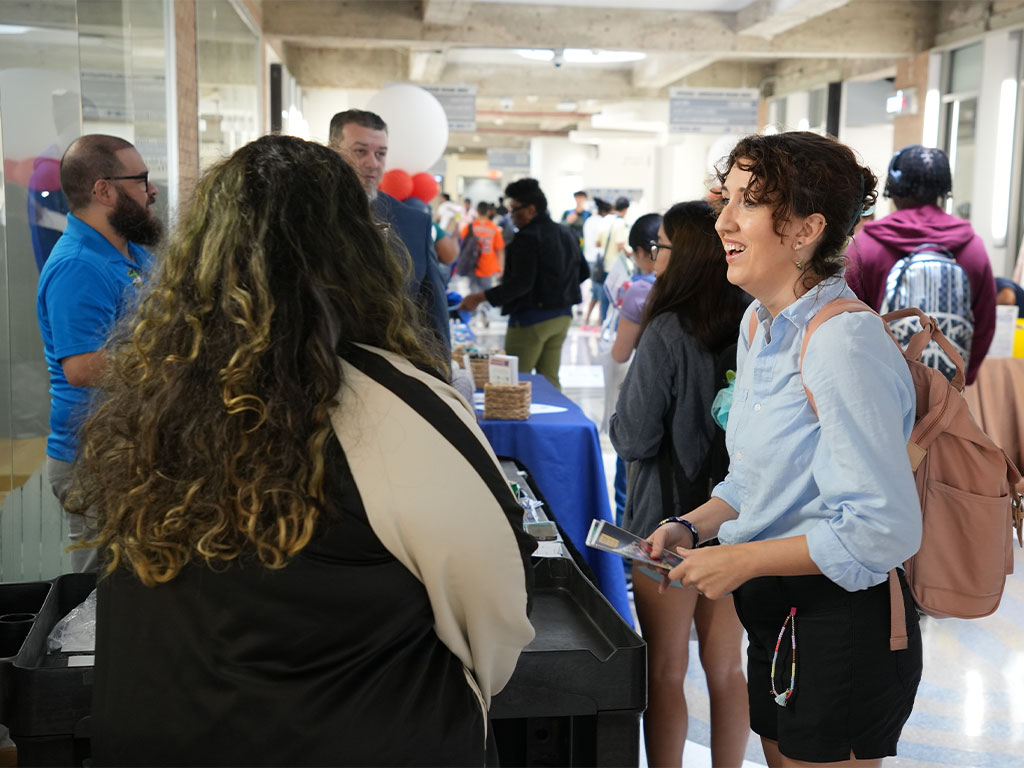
(85, 286)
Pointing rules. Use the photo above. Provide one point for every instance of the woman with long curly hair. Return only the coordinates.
(310, 554)
(663, 426)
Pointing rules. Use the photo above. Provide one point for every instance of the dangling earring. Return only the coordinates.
(799, 265)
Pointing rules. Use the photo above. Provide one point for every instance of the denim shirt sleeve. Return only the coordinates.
(725, 490)
(866, 403)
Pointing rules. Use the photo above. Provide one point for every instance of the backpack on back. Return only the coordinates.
(676, 488)
(930, 279)
(965, 482)
(469, 254)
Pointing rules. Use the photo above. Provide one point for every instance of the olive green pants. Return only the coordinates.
(539, 346)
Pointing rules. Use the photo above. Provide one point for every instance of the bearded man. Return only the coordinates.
(88, 283)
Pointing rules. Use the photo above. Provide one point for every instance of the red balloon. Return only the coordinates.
(396, 183)
(425, 187)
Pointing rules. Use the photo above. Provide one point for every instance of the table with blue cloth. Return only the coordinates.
(562, 451)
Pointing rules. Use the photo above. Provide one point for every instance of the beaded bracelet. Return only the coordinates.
(684, 522)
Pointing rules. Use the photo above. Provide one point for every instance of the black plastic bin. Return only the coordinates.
(579, 688)
(47, 703)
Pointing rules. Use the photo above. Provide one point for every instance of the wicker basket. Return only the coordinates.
(481, 371)
(507, 401)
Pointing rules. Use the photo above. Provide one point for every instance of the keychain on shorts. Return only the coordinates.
(782, 698)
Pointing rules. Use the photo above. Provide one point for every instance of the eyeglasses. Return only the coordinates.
(143, 177)
(655, 246)
(516, 208)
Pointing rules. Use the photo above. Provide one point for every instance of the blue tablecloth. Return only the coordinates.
(562, 451)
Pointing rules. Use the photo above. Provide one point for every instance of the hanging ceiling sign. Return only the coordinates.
(508, 159)
(713, 110)
(459, 103)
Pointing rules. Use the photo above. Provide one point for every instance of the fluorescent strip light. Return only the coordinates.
(930, 136)
(954, 134)
(1004, 154)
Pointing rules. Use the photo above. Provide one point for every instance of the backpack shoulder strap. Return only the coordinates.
(897, 616)
(835, 307)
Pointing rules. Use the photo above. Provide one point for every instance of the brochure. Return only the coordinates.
(611, 538)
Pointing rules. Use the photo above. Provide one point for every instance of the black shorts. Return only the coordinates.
(852, 693)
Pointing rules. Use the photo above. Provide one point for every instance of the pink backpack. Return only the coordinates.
(967, 487)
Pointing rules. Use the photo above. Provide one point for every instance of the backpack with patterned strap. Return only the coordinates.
(930, 279)
(966, 484)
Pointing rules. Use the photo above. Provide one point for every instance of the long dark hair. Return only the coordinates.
(694, 285)
(209, 438)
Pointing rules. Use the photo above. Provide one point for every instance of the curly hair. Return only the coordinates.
(694, 285)
(207, 438)
(800, 173)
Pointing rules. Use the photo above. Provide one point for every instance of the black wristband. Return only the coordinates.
(684, 522)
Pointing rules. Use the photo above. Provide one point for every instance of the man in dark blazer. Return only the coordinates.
(361, 138)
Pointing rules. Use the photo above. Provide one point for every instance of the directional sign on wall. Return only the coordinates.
(713, 110)
(459, 103)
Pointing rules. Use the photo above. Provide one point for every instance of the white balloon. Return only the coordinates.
(417, 126)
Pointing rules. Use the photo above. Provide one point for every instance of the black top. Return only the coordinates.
(543, 269)
(338, 658)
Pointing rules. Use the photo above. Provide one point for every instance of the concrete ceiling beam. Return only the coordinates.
(662, 70)
(447, 13)
(768, 18)
(495, 25)
(426, 66)
(352, 68)
(370, 69)
(869, 28)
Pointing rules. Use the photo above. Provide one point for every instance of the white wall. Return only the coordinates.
(685, 167)
(559, 166)
(865, 127)
(667, 168)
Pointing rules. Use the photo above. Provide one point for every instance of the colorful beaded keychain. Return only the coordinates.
(782, 698)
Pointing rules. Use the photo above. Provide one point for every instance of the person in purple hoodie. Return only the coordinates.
(918, 183)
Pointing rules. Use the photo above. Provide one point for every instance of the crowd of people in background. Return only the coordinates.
(249, 423)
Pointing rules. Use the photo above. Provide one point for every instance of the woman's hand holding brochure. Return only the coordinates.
(604, 535)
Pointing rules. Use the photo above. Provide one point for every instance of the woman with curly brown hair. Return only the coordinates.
(311, 555)
(820, 502)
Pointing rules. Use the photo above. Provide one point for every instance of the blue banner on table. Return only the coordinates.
(563, 453)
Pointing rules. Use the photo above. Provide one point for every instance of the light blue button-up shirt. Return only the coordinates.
(842, 478)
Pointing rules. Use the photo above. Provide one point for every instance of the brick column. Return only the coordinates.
(911, 73)
(188, 98)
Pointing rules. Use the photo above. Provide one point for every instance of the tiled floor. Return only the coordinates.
(970, 705)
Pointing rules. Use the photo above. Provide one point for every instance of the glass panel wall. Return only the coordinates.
(40, 98)
(66, 68)
(228, 70)
(960, 109)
